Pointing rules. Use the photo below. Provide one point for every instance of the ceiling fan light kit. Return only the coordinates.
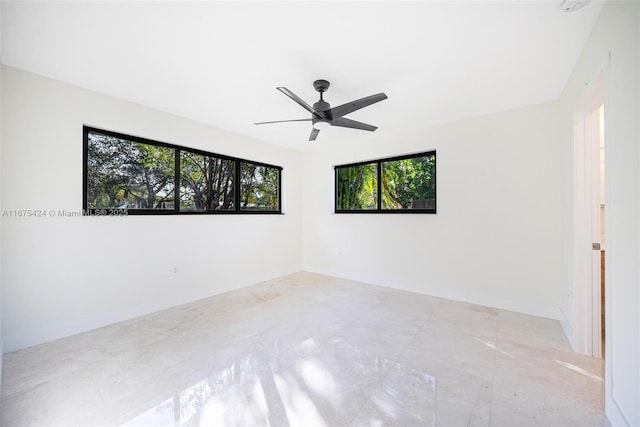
(320, 124)
(323, 116)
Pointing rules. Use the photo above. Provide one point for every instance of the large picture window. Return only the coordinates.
(125, 174)
(151, 177)
(403, 184)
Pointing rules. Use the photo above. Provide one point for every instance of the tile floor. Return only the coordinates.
(309, 350)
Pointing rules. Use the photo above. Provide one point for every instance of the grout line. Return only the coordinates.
(395, 363)
(493, 371)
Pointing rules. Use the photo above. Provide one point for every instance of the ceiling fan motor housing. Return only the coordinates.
(323, 110)
(321, 106)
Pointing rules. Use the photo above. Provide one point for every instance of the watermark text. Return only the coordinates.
(62, 213)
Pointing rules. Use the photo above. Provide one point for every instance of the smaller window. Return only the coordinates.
(357, 187)
(206, 183)
(403, 184)
(409, 183)
(259, 187)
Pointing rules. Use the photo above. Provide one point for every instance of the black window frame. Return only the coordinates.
(86, 130)
(379, 209)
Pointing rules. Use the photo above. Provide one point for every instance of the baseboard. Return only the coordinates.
(614, 414)
(40, 334)
(538, 310)
(493, 301)
(568, 330)
(1, 359)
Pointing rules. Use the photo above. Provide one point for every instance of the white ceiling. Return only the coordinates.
(220, 62)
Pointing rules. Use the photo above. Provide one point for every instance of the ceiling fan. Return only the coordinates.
(323, 116)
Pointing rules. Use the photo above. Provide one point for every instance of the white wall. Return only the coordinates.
(616, 35)
(1, 335)
(498, 238)
(65, 275)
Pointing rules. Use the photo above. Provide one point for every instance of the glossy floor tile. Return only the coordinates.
(309, 350)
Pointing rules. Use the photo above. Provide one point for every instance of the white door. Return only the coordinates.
(588, 222)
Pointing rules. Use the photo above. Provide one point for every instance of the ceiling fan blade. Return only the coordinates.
(349, 107)
(283, 121)
(297, 99)
(314, 134)
(348, 123)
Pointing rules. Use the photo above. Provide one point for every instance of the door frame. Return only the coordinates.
(586, 210)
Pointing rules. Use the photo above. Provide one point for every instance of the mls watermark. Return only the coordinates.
(62, 213)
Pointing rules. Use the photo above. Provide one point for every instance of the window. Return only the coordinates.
(127, 174)
(409, 183)
(259, 187)
(357, 188)
(404, 184)
(206, 183)
(151, 177)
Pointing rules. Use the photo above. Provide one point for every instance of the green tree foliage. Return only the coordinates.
(259, 186)
(128, 174)
(405, 184)
(206, 183)
(408, 183)
(357, 187)
(123, 173)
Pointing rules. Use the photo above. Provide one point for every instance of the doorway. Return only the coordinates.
(589, 222)
(601, 221)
